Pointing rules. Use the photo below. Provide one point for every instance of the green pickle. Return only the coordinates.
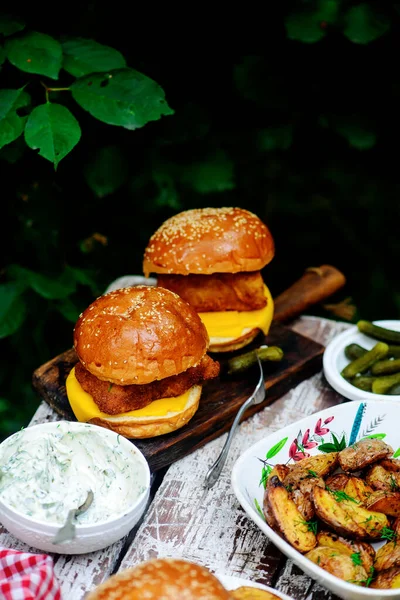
(364, 362)
(379, 333)
(386, 367)
(241, 363)
(363, 382)
(382, 385)
(353, 351)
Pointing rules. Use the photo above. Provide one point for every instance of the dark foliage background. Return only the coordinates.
(293, 115)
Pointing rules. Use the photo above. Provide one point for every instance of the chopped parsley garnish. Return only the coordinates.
(388, 534)
(110, 387)
(311, 525)
(312, 473)
(393, 484)
(356, 558)
(340, 495)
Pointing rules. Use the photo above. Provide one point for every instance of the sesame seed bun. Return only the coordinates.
(139, 334)
(146, 427)
(209, 240)
(166, 578)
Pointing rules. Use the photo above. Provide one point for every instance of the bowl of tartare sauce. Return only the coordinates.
(48, 469)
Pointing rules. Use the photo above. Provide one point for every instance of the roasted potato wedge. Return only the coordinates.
(388, 579)
(388, 556)
(381, 479)
(348, 547)
(363, 453)
(250, 593)
(347, 517)
(385, 502)
(279, 471)
(314, 466)
(391, 464)
(359, 490)
(337, 481)
(302, 496)
(338, 564)
(288, 518)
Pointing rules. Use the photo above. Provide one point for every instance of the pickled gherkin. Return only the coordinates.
(364, 362)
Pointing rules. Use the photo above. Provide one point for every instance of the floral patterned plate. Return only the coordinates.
(327, 431)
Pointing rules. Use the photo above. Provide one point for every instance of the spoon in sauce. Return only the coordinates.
(68, 531)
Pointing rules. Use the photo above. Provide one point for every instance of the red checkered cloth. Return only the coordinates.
(26, 576)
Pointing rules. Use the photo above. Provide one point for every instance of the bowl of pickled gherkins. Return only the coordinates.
(364, 361)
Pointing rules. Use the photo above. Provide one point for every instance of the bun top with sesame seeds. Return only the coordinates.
(162, 579)
(137, 335)
(209, 240)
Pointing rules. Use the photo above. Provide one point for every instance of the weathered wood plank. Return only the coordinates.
(209, 527)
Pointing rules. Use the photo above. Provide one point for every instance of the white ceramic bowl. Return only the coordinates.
(334, 361)
(233, 583)
(351, 421)
(92, 536)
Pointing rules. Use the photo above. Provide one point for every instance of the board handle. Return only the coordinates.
(316, 284)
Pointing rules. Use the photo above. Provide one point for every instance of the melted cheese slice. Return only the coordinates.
(232, 324)
(85, 408)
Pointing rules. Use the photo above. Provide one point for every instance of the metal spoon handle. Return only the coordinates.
(215, 471)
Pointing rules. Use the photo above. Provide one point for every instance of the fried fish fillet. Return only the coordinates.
(115, 399)
(217, 292)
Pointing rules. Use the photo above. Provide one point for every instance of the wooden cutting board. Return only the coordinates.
(221, 398)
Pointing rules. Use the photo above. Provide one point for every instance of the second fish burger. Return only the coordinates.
(212, 258)
(142, 362)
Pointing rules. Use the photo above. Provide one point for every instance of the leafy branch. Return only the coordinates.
(103, 85)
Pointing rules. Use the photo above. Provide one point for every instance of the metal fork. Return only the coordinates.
(257, 396)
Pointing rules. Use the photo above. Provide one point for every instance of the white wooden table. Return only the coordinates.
(208, 527)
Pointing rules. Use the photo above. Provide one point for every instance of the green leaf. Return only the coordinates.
(68, 309)
(327, 448)
(309, 25)
(14, 151)
(84, 277)
(35, 53)
(53, 130)
(83, 56)
(12, 308)
(258, 507)
(375, 436)
(167, 193)
(277, 448)
(275, 138)
(265, 473)
(2, 55)
(10, 25)
(121, 97)
(397, 453)
(357, 134)
(362, 24)
(107, 171)
(11, 124)
(216, 174)
(51, 288)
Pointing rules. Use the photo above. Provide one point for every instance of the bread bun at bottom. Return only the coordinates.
(145, 427)
(166, 578)
(231, 344)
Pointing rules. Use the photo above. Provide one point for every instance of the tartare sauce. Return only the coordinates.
(46, 475)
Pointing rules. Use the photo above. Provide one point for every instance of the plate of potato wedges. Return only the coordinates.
(326, 492)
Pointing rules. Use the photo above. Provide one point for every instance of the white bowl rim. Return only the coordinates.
(332, 374)
(283, 545)
(98, 525)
